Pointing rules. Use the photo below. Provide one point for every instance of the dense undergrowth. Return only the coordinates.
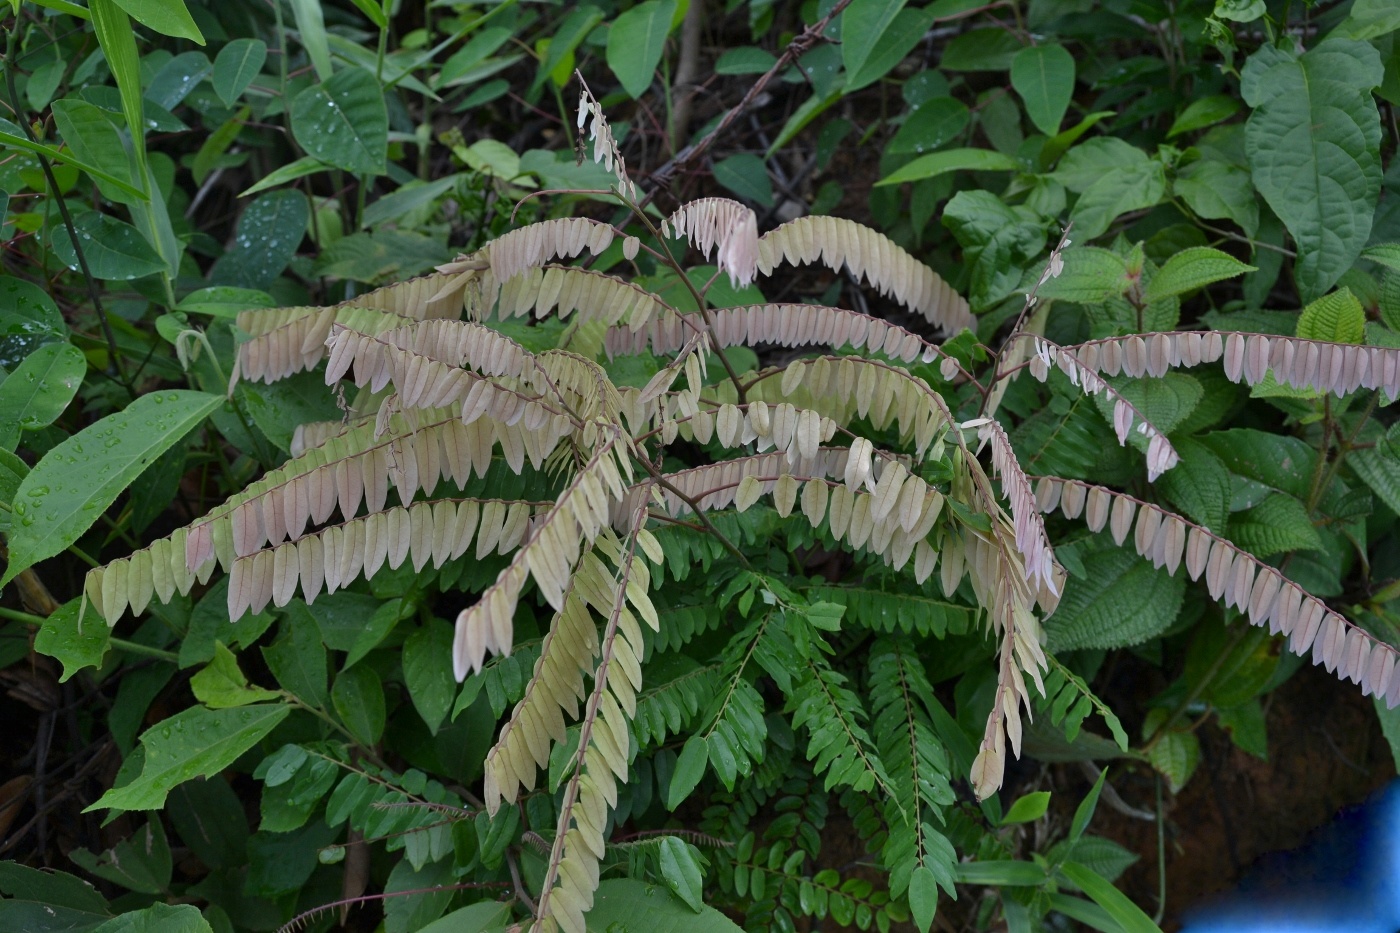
(416, 515)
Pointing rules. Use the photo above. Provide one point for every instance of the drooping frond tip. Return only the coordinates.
(723, 226)
(604, 145)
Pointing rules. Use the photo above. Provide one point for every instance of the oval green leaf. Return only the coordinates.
(167, 17)
(343, 122)
(636, 41)
(1044, 77)
(74, 483)
(115, 250)
(37, 392)
(237, 64)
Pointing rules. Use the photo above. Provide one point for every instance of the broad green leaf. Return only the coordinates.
(114, 250)
(1279, 461)
(636, 40)
(311, 29)
(1386, 254)
(1191, 269)
(343, 122)
(221, 685)
(209, 623)
(923, 897)
(268, 234)
(115, 35)
(423, 894)
(930, 124)
(358, 697)
(159, 918)
(28, 320)
(745, 175)
(278, 408)
(411, 197)
(167, 17)
(628, 904)
(237, 64)
(1166, 402)
(39, 390)
(863, 27)
(1002, 873)
(574, 28)
(484, 917)
(745, 60)
(1116, 192)
(1379, 468)
(1122, 601)
(1338, 318)
(1369, 19)
(1087, 163)
(1313, 143)
(298, 658)
(1246, 727)
(1279, 523)
(72, 485)
(1129, 916)
(173, 83)
(1027, 809)
(195, 743)
(951, 160)
(997, 240)
(427, 671)
(90, 133)
(141, 863)
(991, 49)
(1217, 190)
(224, 301)
(12, 137)
(897, 40)
(1199, 485)
(76, 644)
(51, 887)
(681, 872)
(1204, 112)
(1044, 77)
(1091, 275)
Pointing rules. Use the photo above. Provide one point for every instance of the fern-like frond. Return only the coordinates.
(1041, 569)
(1301, 364)
(290, 340)
(669, 707)
(891, 612)
(595, 296)
(838, 746)
(723, 226)
(604, 145)
(1069, 700)
(532, 246)
(835, 241)
(1236, 578)
(917, 763)
(1161, 456)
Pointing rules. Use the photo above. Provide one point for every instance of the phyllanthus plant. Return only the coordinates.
(462, 443)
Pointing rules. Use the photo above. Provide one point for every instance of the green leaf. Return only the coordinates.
(1246, 727)
(1129, 916)
(1279, 461)
(746, 175)
(358, 697)
(298, 659)
(951, 160)
(1386, 254)
(574, 28)
(159, 918)
(863, 28)
(57, 888)
(1122, 601)
(75, 644)
(1204, 112)
(1217, 190)
(1001, 873)
(1084, 813)
(1279, 523)
(311, 29)
(1390, 726)
(39, 389)
(141, 863)
(627, 904)
(690, 768)
(235, 67)
(1116, 192)
(681, 871)
(75, 481)
(221, 685)
(1027, 809)
(1337, 318)
(930, 124)
(1199, 485)
(997, 241)
(636, 40)
(343, 122)
(745, 60)
(896, 40)
(427, 671)
(1044, 77)
(195, 743)
(1313, 143)
(12, 137)
(1369, 19)
(167, 17)
(990, 49)
(1091, 275)
(114, 249)
(1191, 269)
(267, 238)
(484, 917)
(923, 897)
(90, 133)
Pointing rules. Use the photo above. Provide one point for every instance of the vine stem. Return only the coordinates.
(11, 42)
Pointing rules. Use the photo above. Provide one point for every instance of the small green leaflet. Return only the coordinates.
(195, 743)
(167, 17)
(237, 64)
(39, 389)
(746, 176)
(682, 872)
(75, 482)
(343, 122)
(221, 685)
(635, 43)
(951, 160)
(1204, 112)
(1027, 809)
(1044, 77)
